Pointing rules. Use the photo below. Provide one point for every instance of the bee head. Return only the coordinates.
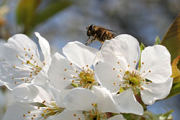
(89, 30)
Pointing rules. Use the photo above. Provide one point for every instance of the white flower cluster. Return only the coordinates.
(84, 83)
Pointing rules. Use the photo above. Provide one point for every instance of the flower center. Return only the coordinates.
(133, 79)
(51, 110)
(43, 111)
(30, 64)
(85, 79)
(94, 114)
(81, 77)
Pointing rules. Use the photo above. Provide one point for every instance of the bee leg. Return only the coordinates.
(88, 41)
(101, 45)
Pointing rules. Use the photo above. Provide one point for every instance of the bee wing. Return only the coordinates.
(110, 30)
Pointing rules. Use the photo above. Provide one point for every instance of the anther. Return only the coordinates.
(114, 83)
(43, 102)
(27, 62)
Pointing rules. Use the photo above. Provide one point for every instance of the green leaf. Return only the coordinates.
(157, 40)
(175, 70)
(149, 116)
(29, 17)
(176, 78)
(175, 90)
(52, 9)
(166, 116)
(26, 12)
(172, 38)
(38, 104)
(142, 46)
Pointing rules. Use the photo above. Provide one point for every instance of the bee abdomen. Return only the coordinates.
(106, 35)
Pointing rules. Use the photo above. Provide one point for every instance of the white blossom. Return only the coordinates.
(35, 103)
(74, 70)
(20, 60)
(118, 68)
(97, 103)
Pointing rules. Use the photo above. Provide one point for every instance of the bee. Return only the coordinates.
(98, 33)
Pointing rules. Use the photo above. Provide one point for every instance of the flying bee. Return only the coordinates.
(98, 33)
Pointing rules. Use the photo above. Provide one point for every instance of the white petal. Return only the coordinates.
(40, 79)
(80, 54)
(58, 96)
(11, 77)
(117, 117)
(80, 99)
(108, 77)
(156, 91)
(158, 60)
(127, 103)
(60, 72)
(69, 115)
(17, 44)
(23, 47)
(1, 83)
(105, 101)
(30, 93)
(123, 45)
(16, 111)
(45, 48)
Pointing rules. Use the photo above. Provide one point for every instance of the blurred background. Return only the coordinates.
(61, 21)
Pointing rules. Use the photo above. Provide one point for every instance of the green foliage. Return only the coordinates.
(26, 12)
(172, 38)
(157, 40)
(150, 116)
(172, 41)
(175, 70)
(166, 116)
(38, 104)
(52, 9)
(29, 17)
(175, 90)
(142, 46)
